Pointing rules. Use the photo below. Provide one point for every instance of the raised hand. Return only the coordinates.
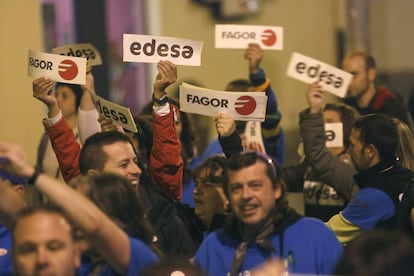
(254, 54)
(14, 160)
(167, 75)
(43, 91)
(225, 124)
(315, 97)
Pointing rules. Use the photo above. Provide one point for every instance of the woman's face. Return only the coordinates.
(66, 100)
(209, 197)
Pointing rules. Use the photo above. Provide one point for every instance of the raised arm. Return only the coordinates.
(60, 134)
(271, 129)
(104, 234)
(229, 138)
(166, 164)
(331, 169)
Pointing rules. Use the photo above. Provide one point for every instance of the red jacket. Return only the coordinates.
(166, 164)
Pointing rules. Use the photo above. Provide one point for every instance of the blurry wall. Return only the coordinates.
(20, 114)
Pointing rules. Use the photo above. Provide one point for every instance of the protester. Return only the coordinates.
(326, 174)
(271, 130)
(44, 243)
(113, 152)
(262, 226)
(364, 95)
(380, 178)
(124, 254)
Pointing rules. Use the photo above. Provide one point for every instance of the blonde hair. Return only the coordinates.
(405, 148)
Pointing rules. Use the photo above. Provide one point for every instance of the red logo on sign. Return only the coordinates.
(245, 105)
(268, 37)
(68, 69)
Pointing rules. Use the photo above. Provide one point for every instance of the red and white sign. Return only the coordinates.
(119, 114)
(310, 70)
(86, 50)
(57, 67)
(239, 36)
(243, 106)
(152, 49)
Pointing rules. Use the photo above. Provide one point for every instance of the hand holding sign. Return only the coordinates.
(254, 54)
(42, 90)
(315, 97)
(167, 75)
(225, 124)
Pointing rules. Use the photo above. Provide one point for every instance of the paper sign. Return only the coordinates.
(239, 36)
(152, 49)
(57, 67)
(119, 115)
(243, 106)
(334, 135)
(310, 70)
(85, 50)
(253, 134)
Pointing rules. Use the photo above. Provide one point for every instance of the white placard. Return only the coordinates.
(334, 135)
(309, 70)
(119, 114)
(254, 139)
(57, 67)
(152, 49)
(243, 106)
(239, 36)
(86, 50)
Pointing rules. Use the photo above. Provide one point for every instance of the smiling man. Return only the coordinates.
(262, 226)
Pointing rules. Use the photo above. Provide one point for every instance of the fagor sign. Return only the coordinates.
(239, 36)
(57, 67)
(310, 70)
(244, 106)
(152, 49)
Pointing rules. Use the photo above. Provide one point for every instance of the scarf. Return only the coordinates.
(260, 236)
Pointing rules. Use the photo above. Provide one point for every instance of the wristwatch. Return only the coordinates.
(161, 101)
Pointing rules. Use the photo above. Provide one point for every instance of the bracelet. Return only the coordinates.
(161, 101)
(32, 179)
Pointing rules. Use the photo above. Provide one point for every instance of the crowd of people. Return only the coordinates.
(106, 201)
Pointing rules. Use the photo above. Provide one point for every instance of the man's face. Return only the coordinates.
(251, 193)
(360, 82)
(209, 197)
(122, 160)
(43, 245)
(358, 151)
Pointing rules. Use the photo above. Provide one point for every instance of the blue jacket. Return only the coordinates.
(308, 247)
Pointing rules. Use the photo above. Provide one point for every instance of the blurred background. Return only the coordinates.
(323, 29)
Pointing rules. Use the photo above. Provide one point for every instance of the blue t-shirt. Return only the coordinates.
(141, 257)
(5, 251)
(308, 247)
(369, 207)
